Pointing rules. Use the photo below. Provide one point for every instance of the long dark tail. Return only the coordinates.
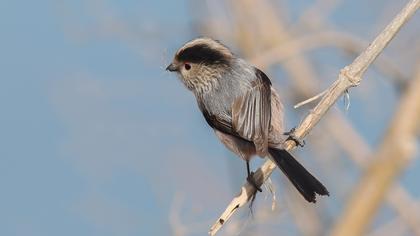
(305, 183)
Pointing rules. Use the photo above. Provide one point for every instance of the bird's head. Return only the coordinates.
(200, 62)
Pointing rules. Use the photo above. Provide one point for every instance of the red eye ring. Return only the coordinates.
(187, 66)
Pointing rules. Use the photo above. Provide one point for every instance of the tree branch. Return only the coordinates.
(349, 77)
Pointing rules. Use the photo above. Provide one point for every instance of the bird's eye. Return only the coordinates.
(187, 66)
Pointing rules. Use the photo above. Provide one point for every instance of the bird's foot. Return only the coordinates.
(292, 136)
(251, 180)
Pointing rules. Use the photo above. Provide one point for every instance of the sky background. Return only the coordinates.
(97, 139)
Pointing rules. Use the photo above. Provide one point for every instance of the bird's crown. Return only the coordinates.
(204, 50)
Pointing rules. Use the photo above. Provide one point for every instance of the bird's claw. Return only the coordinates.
(251, 181)
(292, 136)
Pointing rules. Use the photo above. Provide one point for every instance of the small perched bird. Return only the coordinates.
(239, 103)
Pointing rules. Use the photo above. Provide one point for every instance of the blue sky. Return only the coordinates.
(80, 125)
(95, 136)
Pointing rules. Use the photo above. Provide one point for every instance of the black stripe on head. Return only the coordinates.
(202, 53)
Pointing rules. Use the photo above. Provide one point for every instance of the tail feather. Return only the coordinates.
(304, 182)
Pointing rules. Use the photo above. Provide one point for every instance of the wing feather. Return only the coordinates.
(251, 113)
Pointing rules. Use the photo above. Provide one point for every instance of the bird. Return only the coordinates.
(240, 104)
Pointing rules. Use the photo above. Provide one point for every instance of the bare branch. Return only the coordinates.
(349, 77)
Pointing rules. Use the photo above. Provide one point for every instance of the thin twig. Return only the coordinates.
(349, 77)
(310, 99)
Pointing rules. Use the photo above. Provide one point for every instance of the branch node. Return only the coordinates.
(354, 80)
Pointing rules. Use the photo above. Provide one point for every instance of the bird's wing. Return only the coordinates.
(217, 122)
(251, 113)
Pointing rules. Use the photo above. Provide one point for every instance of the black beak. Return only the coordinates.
(172, 67)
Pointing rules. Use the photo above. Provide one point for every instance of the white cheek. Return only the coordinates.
(185, 73)
(182, 72)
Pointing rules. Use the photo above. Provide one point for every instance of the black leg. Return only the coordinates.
(247, 168)
(250, 178)
(292, 137)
